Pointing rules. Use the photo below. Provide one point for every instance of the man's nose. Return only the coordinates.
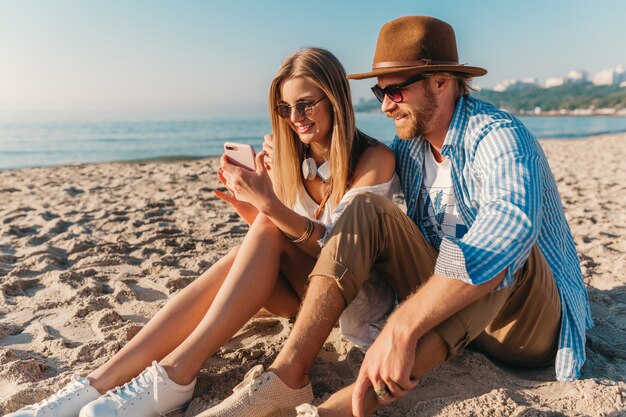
(387, 105)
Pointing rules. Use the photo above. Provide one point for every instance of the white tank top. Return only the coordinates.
(306, 206)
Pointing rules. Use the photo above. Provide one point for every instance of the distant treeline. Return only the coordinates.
(526, 99)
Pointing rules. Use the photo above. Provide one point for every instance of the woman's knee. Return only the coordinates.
(263, 225)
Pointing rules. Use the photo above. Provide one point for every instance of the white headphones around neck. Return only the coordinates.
(310, 170)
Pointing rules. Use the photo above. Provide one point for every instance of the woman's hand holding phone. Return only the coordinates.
(245, 210)
(253, 187)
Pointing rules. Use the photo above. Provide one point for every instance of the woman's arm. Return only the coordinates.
(255, 188)
(295, 225)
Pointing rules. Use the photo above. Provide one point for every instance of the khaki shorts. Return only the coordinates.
(518, 325)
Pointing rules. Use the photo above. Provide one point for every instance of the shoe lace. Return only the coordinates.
(76, 383)
(150, 377)
(250, 376)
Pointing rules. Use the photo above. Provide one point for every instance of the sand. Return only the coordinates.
(89, 253)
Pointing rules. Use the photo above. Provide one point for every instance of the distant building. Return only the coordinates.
(554, 82)
(512, 84)
(573, 77)
(577, 76)
(610, 76)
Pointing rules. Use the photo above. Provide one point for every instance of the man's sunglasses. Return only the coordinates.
(304, 108)
(394, 91)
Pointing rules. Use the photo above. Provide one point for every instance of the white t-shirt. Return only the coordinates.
(437, 203)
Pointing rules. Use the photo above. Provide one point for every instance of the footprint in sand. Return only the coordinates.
(73, 191)
(23, 231)
(24, 370)
(20, 287)
(47, 216)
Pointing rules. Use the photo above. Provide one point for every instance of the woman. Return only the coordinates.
(317, 159)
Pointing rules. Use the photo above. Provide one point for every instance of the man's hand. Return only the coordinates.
(387, 365)
(391, 359)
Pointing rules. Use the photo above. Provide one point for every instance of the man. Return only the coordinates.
(484, 254)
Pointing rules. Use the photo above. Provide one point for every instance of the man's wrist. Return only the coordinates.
(405, 330)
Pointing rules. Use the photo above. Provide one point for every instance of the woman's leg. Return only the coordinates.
(249, 285)
(166, 330)
(284, 300)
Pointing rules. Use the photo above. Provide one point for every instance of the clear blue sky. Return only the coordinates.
(219, 56)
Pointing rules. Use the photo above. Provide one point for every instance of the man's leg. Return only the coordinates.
(526, 330)
(431, 351)
(372, 232)
(320, 311)
(518, 325)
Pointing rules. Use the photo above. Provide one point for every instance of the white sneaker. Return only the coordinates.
(261, 395)
(67, 402)
(150, 394)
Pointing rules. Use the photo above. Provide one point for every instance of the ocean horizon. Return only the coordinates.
(57, 141)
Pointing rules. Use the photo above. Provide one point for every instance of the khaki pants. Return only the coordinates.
(518, 325)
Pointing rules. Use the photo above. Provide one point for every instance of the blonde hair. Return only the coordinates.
(324, 70)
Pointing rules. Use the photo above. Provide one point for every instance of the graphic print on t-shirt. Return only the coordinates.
(440, 217)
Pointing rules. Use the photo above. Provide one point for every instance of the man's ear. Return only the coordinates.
(440, 81)
(437, 84)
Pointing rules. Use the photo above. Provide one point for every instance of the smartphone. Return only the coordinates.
(241, 154)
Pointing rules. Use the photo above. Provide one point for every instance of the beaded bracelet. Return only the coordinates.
(307, 233)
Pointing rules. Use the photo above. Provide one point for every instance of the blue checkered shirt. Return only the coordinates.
(508, 198)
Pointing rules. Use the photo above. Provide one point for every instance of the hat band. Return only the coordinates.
(420, 62)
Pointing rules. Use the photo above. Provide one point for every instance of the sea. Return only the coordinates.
(52, 142)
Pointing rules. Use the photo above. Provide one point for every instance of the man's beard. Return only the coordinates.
(419, 116)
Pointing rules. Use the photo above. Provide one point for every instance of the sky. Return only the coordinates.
(219, 57)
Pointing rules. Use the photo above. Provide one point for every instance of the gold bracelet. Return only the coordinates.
(307, 233)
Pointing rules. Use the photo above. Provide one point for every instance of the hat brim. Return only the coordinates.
(464, 69)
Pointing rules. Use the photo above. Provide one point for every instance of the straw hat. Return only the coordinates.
(417, 44)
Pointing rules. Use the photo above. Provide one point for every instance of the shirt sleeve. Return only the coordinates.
(507, 181)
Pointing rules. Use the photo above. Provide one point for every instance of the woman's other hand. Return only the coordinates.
(268, 149)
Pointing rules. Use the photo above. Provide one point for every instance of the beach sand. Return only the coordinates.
(89, 253)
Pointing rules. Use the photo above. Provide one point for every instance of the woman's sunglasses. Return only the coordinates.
(394, 91)
(304, 108)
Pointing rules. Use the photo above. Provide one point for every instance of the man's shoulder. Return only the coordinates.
(484, 120)
(481, 114)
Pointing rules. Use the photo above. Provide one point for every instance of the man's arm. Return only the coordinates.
(389, 361)
(435, 301)
(509, 193)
